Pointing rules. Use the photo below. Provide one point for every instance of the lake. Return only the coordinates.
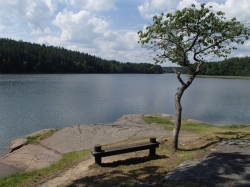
(33, 102)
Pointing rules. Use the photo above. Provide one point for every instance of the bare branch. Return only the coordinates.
(198, 67)
(179, 77)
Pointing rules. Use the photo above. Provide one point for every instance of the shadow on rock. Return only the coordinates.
(217, 170)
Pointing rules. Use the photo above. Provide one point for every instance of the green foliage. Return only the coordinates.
(193, 33)
(28, 177)
(24, 57)
(37, 138)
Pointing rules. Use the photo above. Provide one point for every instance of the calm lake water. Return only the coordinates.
(30, 103)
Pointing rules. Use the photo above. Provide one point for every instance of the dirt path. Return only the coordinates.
(83, 170)
(67, 177)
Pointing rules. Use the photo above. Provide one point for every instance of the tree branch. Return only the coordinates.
(195, 39)
(179, 77)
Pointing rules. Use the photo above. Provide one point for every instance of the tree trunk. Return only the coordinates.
(178, 110)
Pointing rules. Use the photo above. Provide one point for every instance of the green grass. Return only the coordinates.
(194, 127)
(198, 128)
(37, 138)
(165, 122)
(22, 178)
(235, 127)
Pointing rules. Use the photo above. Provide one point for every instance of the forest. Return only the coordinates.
(25, 57)
(171, 70)
(237, 66)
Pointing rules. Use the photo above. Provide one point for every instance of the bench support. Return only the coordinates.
(98, 159)
(153, 149)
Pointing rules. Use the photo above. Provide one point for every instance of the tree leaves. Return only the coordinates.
(193, 33)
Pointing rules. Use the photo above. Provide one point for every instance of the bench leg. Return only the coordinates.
(152, 151)
(98, 160)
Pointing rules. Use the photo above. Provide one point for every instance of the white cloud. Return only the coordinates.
(80, 27)
(114, 41)
(93, 5)
(152, 7)
(84, 31)
(50, 40)
(119, 46)
(186, 3)
(35, 14)
(52, 5)
(234, 8)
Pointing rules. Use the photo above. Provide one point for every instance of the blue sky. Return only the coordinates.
(105, 28)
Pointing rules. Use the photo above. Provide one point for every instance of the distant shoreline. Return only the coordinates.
(220, 76)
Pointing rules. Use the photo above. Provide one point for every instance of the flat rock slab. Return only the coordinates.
(7, 170)
(19, 142)
(80, 137)
(16, 144)
(31, 157)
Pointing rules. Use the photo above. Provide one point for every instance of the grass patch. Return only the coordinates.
(235, 127)
(227, 131)
(198, 128)
(30, 178)
(158, 120)
(37, 138)
(165, 122)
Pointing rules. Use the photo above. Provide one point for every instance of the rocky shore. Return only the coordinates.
(79, 137)
(228, 164)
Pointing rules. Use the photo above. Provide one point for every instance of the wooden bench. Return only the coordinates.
(98, 152)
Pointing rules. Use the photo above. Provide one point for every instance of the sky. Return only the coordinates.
(104, 28)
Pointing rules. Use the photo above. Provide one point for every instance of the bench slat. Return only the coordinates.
(125, 149)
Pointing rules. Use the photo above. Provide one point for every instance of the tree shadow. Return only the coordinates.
(218, 169)
(202, 147)
(113, 176)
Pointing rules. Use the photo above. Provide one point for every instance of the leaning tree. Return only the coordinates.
(191, 35)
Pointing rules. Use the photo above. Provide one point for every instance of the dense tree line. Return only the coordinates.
(230, 67)
(171, 70)
(25, 57)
